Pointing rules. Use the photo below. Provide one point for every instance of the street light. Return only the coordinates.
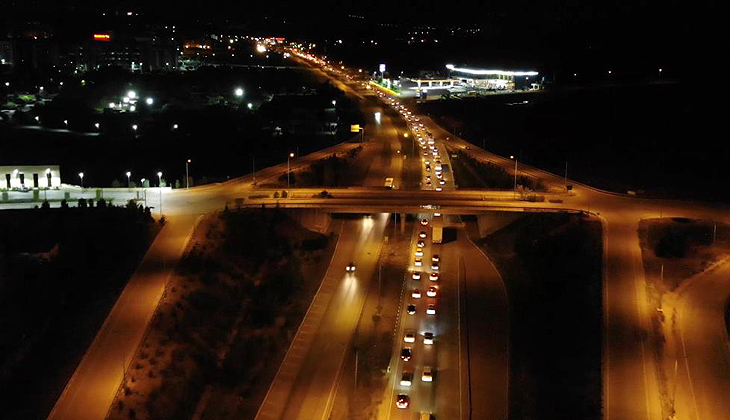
(131, 94)
(512, 157)
(37, 119)
(65, 122)
(187, 177)
(128, 175)
(134, 127)
(238, 92)
(288, 168)
(159, 177)
(334, 102)
(96, 125)
(175, 126)
(81, 175)
(149, 101)
(249, 105)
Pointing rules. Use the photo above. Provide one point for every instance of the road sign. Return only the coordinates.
(382, 68)
(354, 128)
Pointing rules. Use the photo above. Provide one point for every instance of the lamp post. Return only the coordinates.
(159, 178)
(187, 177)
(512, 157)
(288, 168)
(145, 190)
(128, 182)
(81, 175)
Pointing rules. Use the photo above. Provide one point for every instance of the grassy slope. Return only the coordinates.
(551, 264)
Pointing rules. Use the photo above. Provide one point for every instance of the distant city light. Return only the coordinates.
(238, 92)
(132, 108)
(260, 48)
(334, 102)
(134, 127)
(174, 126)
(97, 125)
(112, 105)
(149, 101)
(7, 84)
(131, 94)
(249, 105)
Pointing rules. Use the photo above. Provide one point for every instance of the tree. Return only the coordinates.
(45, 205)
(116, 184)
(82, 202)
(64, 204)
(101, 203)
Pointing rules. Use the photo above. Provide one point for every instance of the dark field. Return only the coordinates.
(217, 132)
(551, 265)
(656, 139)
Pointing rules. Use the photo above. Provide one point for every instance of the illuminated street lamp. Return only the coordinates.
(512, 157)
(249, 105)
(149, 101)
(97, 125)
(334, 102)
(131, 94)
(81, 175)
(159, 177)
(37, 118)
(134, 127)
(132, 108)
(65, 122)
(238, 92)
(128, 175)
(187, 177)
(288, 168)
(175, 126)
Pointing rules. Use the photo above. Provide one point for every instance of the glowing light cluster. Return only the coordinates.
(490, 72)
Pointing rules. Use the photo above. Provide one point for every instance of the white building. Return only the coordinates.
(30, 177)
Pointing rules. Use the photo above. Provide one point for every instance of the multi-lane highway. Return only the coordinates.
(630, 371)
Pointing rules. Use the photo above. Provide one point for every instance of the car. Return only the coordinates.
(418, 262)
(468, 148)
(424, 222)
(428, 338)
(428, 169)
(431, 292)
(350, 267)
(427, 375)
(421, 244)
(419, 252)
(405, 353)
(439, 188)
(416, 275)
(406, 379)
(435, 258)
(431, 309)
(402, 401)
(416, 294)
(442, 181)
(411, 309)
(435, 266)
(425, 153)
(410, 337)
(428, 183)
(437, 214)
(422, 234)
(433, 276)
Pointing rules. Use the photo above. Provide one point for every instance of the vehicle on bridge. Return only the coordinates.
(389, 183)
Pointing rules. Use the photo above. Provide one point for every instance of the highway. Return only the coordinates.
(631, 388)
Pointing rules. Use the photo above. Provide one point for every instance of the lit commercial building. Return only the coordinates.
(493, 79)
(24, 177)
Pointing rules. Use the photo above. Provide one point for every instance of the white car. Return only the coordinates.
(427, 374)
(419, 252)
(431, 292)
(416, 275)
(416, 294)
(435, 258)
(424, 222)
(431, 309)
(435, 266)
(433, 276)
(406, 379)
(410, 337)
(418, 262)
(428, 338)
(421, 244)
(442, 181)
(422, 234)
(350, 267)
(439, 188)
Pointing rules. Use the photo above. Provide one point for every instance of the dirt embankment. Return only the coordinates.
(226, 318)
(551, 265)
